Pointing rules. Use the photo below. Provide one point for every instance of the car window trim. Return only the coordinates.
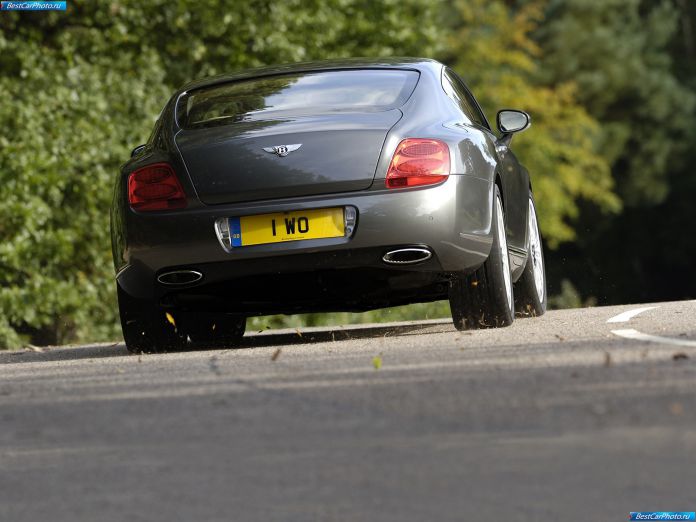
(450, 75)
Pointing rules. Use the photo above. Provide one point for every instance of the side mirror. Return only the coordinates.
(137, 150)
(510, 121)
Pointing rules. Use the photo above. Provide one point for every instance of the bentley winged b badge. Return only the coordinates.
(282, 150)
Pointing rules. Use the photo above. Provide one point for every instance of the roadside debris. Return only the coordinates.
(676, 408)
(679, 356)
(377, 362)
(276, 354)
(607, 359)
(213, 365)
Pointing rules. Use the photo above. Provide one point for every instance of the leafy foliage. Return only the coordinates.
(67, 128)
(616, 51)
(634, 63)
(494, 52)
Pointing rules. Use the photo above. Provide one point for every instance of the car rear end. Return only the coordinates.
(296, 192)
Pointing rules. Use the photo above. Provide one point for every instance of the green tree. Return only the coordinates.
(633, 62)
(618, 54)
(69, 123)
(493, 50)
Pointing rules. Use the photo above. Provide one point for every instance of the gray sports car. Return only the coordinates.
(342, 185)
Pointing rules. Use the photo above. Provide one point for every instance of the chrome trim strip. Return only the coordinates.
(121, 270)
(425, 253)
(197, 275)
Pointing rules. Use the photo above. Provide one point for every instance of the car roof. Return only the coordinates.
(419, 64)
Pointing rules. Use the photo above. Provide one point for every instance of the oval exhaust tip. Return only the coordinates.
(407, 256)
(179, 277)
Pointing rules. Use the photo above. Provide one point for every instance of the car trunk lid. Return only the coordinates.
(295, 134)
(278, 158)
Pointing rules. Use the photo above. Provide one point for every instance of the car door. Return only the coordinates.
(515, 179)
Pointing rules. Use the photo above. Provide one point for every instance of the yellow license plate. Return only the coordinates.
(287, 226)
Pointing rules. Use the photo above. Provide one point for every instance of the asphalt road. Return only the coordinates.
(555, 418)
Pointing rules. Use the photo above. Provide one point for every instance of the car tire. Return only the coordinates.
(146, 327)
(485, 299)
(215, 330)
(530, 289)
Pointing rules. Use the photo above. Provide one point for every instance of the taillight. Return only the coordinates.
(155, 187)
(418, 161)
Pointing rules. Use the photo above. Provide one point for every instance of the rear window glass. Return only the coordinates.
(361, 90)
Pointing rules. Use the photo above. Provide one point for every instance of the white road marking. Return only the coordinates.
(630, 314)
(630, 333)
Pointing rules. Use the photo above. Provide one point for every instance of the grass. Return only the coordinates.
(414, 312)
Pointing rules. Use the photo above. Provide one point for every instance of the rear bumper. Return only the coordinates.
(452, 219)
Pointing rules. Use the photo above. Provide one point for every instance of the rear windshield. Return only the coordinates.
(361, 90)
